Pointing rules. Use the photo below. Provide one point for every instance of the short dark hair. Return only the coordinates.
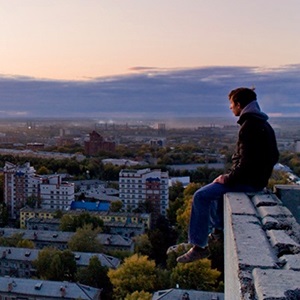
(243, 96)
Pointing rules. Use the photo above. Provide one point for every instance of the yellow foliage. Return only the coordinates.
(139, 296)
(183, 213)
(196, 275)
(137, 273)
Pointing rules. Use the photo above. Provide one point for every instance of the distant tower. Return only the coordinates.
(161, 128)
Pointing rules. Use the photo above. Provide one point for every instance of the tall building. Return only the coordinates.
(96, 143)
(56, 194)
(22, 184)
(144, 187)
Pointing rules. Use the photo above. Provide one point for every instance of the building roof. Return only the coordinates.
(179, 294)
(63, 236)
(82, 258)
(47, 289)
(89, 206)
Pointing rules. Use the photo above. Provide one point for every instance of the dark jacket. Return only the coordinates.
(256, 149)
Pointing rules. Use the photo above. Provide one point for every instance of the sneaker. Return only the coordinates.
(179, 247)
(195, 253)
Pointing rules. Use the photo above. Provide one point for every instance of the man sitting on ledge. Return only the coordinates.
(252, 165)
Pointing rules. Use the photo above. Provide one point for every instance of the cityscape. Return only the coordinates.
(135, 161)
(118, 181)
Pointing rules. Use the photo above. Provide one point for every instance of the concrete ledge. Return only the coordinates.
(261, 246)
(276, 284)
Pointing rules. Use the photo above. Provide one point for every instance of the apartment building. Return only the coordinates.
(19, 262)
(60, 239)
(145, 186)
(120, 223)
(55, 193)
(21, 183)
(33, 289)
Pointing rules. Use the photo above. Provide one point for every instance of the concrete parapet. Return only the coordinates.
(262, 248)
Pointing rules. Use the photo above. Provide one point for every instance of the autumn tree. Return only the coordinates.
(137, 273)
(183, 213)
(197, 275)
(139, 296)
(25, 244)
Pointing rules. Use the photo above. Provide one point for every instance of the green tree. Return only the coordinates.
(85, 240)
(53, 264)
(1, 188)
(3, 214)
(70, 222)
(33, 201)
(13, 240)
(161, 237)
(95, 275)
(116, 206)
(137, 273)
(175, 191)
(197, 275)
(143, 245)
(43, 171)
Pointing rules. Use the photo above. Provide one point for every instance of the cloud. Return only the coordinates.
(152, 92)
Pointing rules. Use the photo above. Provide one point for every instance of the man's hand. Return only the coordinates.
(220, 179)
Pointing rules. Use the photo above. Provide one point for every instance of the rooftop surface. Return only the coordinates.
(262, 248)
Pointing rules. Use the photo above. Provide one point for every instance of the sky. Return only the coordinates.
(87, 39)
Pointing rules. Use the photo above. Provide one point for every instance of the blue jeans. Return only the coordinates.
(207, 210)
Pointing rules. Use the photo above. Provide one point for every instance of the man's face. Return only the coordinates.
(235, 107)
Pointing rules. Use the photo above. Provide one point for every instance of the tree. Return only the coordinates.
(3, 214)
(43, 171)
(116, 206)
(85, 240)
(139, 296)
(197, 275)
(137, 273)
(161, 237)
(33, 201)
(1, 188)
(73, 222)
(143, 245)
(95, 275)
(53, 264)
(183, 213)
(26, 244)
(175, 191)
